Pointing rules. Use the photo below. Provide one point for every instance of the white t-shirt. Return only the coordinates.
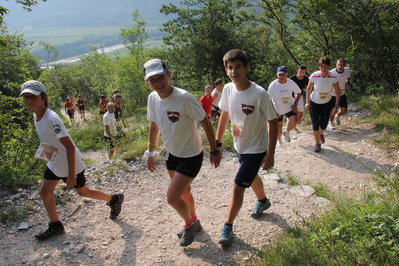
(249, 111)
(217, 99)
(322, 87)
(176, 118)
(50, 130)
(342, 78)
(109, 120)
(281, 95)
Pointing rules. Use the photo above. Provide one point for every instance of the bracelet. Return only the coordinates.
(296, 103)
(149, 153)
(218, 144)
(151, 146)
(337, 106)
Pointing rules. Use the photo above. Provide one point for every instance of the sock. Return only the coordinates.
(231, 225)
(56, 224)
(195, 218)
(189, 223)
(113, 198)
(263, 200)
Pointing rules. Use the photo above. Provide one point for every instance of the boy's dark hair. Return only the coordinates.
(342, 60)
(302, 67)
(217, 82)
(103, 96)
(235, 55)
(325, 60)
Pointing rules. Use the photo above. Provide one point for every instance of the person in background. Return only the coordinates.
(319, 99)
(302, 81)
(250, 110)
(216, 94)
(69, 109)
(118, 112)
(110, 131)
(173, 113)
(342, 73)
(64, 160)
(280, 92)
(81, 106)
(102, 105)
(206, 101)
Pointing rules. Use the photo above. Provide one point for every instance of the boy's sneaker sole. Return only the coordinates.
(227, 236)
(116, 207)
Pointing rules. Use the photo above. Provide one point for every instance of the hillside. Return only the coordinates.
(74, 26)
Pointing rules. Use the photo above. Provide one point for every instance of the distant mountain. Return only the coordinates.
(75, 26)
(73, 13)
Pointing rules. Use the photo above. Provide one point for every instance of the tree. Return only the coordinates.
(135, 37)
(51, 51)
(199, 37)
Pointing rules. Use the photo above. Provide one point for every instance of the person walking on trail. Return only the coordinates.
(64, 160)
(173, 113)
(118, 112)
(342, 73)
(206, 101)
(319, 99)
(110, 130)
(102, 105)
(81, 106)
(302, 81)
(250, 110)
(216, 94)
(69, 109)
(280, 92)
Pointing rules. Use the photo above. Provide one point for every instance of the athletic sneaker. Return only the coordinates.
(189, 234)
(116, 205)
(317, 147)
(180, 233)
(297, 130)
(287, 136)
(337, 120)
(331, 125)
(322, 139)
(280, 142)
(53, 229)
(259, 208)
(227, 235)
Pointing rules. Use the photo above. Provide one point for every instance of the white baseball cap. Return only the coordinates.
(32, 86)
(154, 67)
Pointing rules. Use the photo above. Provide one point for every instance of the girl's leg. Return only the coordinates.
(46, 192)
(236, 201)
(280, 129)
(257, 187)
(179, 195)
(93, 193)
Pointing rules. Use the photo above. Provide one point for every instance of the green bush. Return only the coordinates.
(18, 145)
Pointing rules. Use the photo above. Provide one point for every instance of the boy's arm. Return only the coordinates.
(210, 135)
(153, 140)
(223, 120)
(70, 151)
(268, 161)
(108, 130)
(308, 91)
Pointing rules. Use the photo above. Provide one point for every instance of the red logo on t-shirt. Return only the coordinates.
(247, 109)
(173, 116)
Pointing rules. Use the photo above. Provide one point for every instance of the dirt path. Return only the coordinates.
(145, 232)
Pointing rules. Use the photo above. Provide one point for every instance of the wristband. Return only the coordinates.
(149, 153)
(151, 146)
(218, 144)
(296, 103)
(337, 106)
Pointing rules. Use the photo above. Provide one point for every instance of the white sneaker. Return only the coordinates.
(297, 130)
(331, 125)
(287, 136)
(337, 120)
(280, 142)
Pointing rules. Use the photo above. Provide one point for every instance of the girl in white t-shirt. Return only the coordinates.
(318, 99)
(64, 160)
(174, 112)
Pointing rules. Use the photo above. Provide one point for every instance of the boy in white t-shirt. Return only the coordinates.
(64, 160)
(110, 130)
(248, 107)
(173, 113)
(342, 73)
(280, 92)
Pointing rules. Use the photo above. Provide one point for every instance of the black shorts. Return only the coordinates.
(80, 178)
(343, 101)
(186, 166)
(81, 108)
(109, 142)
(289, 114)
(70, 113)
(249, 168)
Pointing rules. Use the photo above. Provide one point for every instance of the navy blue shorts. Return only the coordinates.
(289, 114)
(186, 166)
(343, 101)
(249, 168)
(80, 178)
(109, 142)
